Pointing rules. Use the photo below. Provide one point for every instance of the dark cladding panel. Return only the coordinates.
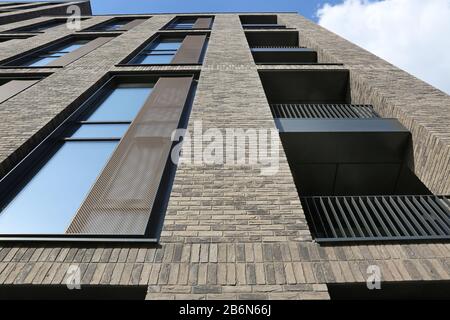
(130, 25)
(307, 87)
(121, 201)
(191, 50)
(13, 87)
(203, 23)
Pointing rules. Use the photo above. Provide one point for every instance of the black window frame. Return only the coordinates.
(17, 61)
(100, 27)
(170, 25)
(156, 52)
(47, 24)
(171, 34)
(13, 181)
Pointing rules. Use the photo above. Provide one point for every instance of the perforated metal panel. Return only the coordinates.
(13, 87)
(130, 25)
(203, 23)
(331, 111)
(121, 201)
(191, 50)
(363, 218)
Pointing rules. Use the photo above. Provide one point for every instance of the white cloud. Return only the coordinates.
(414, 35)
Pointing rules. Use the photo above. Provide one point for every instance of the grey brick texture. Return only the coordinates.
(229, 232)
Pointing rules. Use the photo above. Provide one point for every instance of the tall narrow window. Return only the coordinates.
(50, 56)
(60, 182)
(160, 51)
(187, 23)
(115, 25)
(59, 54)
(182, 23)
(38, 27)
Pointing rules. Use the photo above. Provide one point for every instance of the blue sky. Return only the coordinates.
(307, 8)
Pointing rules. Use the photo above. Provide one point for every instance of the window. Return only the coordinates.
(47, 203)
(160, 51)
(187, 23)
(118, 24)
(104, 172)
(38, 27)
(111, 25)
(59, 54)
(115, 25)
(176, 48)
(50, 56)
(182, 23)
(7, 38)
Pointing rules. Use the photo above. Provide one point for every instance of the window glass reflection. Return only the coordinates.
(88, 131)
(47, 204)
(122, 104)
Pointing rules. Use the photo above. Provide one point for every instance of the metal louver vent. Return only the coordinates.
(367, 218)
(330, 111)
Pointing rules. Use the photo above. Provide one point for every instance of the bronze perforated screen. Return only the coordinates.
(121, 200)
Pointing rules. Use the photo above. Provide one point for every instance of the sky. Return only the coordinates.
(414, 35)
(307, 8)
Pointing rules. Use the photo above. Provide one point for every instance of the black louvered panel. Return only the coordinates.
(368, 218)
(323, 111)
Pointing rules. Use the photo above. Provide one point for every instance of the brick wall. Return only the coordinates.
(421, 108)
(229, 232)
(49, 10)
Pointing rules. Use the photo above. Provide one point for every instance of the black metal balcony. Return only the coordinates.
(378, 218)
(323, 111)
(284, 55)
(272, 38)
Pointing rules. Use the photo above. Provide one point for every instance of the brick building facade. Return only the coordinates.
(228, 231)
